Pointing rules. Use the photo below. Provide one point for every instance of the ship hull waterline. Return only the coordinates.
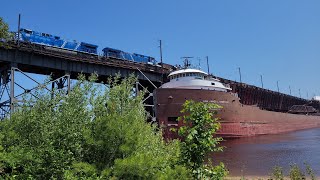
(237, 120)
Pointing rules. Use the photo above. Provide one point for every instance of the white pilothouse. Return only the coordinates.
(194, 79)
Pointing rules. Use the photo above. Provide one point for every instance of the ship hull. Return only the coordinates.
(237, 120)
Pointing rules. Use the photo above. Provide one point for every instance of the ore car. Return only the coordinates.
(115, 53)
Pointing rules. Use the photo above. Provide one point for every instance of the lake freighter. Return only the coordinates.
(247, 110)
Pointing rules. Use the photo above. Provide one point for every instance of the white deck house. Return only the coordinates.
(194, 79)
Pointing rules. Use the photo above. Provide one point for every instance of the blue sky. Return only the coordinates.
(279, 39)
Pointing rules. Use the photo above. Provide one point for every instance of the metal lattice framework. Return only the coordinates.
(10, 99)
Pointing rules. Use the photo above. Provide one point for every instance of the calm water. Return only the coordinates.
(258, 155)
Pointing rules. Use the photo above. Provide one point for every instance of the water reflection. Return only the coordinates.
(258, 155)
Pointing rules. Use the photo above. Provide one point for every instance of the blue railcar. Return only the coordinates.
(58, 44)
(115, 53)
(128, 56)
(144, 59)
(86, 47)
(56, 41)
(70, 45)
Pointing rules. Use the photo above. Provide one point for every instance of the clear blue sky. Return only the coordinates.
(279, 39)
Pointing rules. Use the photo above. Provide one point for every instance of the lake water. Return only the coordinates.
(256, 156)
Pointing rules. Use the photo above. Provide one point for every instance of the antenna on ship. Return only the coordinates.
(240, 74)
(299, 93)
(186, 61)
(208, 64)
(290, 89)
(199, 61)
(160, 46)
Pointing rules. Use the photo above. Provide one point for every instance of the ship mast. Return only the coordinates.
(186, 62)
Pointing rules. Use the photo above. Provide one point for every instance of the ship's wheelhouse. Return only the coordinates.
(196, 75)
(193, 79)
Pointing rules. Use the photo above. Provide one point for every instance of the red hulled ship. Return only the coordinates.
(244, 113)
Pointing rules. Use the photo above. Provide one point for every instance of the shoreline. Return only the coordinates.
(254, 177)
(247, 178)
(250, 177)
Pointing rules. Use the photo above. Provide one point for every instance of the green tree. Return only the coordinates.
(5, 35)
(122, 143)
(198, 138)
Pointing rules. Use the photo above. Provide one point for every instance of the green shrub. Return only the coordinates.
(198, 140)
(207, 171)
(90, 133)
(296, 173)
(178, 172)
(277, 173)
(310, 171)
(81, 170)
(50, 135)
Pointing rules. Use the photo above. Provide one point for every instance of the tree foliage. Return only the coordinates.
(92, 133)
(198, 138)
(5, 35)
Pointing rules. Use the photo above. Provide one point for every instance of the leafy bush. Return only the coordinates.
(91, 133)
(178, 172)
(207, 171)
(81, 170)
(277, 173)
(310, 171)
(296, 173)
(44, 138)
(198, 140)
